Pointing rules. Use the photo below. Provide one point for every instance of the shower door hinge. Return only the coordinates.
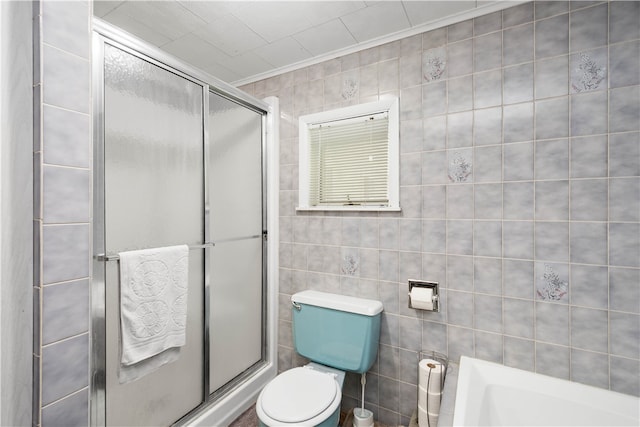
(265, 235)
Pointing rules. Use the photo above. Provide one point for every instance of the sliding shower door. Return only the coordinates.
(237, 297)
(153, 152)
(179, 160)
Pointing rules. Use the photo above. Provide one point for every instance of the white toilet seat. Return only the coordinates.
(299, 396)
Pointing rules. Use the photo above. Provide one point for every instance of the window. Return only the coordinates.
(349, 158)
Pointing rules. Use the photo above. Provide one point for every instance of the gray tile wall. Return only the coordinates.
(520, 189)
(62, 212)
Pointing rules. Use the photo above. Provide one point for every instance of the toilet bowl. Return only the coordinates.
(306, 396)
(337, 333)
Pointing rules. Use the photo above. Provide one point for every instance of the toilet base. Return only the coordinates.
(332, 421)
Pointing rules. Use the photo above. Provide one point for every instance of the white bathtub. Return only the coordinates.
(489, 394)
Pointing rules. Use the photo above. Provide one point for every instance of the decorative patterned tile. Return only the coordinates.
(350, 264)
(434, 64)
(552, 282)
(460, 165)
(588, 71)
(350, 84)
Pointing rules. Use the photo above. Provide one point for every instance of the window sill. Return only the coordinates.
(354, 208)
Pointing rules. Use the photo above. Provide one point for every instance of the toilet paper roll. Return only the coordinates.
(433, 403)
(421, 298)
(430, 375)
(426, 418)
(423, 417)
(428, 400)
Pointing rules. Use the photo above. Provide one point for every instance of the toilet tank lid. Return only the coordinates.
(364, 306)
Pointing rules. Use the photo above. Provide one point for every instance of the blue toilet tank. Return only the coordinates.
(336, 330)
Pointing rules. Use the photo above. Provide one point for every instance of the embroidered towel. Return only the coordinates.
(153, 301)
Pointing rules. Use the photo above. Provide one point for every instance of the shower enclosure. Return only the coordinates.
(181, 158)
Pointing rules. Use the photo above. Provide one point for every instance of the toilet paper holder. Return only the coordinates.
(435, 298)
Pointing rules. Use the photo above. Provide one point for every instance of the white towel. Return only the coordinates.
(153, 301)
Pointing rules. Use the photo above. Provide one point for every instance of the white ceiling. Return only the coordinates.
(243, 41)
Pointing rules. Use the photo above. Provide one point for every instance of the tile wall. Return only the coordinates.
(520, 195)
(62, 212)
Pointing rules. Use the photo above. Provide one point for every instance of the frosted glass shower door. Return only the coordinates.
(153, 197)
(236, 224)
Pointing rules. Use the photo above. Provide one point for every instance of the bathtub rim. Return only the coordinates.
(467, 393)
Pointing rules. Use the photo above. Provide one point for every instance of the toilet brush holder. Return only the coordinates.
(362, 418)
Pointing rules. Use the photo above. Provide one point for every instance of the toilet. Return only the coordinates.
(337, 333)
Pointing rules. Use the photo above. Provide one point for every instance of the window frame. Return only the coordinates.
(388, 105)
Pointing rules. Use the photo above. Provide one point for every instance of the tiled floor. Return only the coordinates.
(250, 419)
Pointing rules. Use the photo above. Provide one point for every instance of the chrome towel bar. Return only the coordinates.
(116, 257)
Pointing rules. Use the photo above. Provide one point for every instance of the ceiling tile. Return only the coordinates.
(319, 12)
(119, 18)
(247, 64)
(283, 52)
(201, 54)
(420, 12)
(101, 8)
(327, 37)
(377, 20)
(273, 20)
(209, 11)
(168, 18)
(230, 35)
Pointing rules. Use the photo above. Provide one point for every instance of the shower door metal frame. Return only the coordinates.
(104, 33)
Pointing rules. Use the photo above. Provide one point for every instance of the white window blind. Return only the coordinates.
(349, 161)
